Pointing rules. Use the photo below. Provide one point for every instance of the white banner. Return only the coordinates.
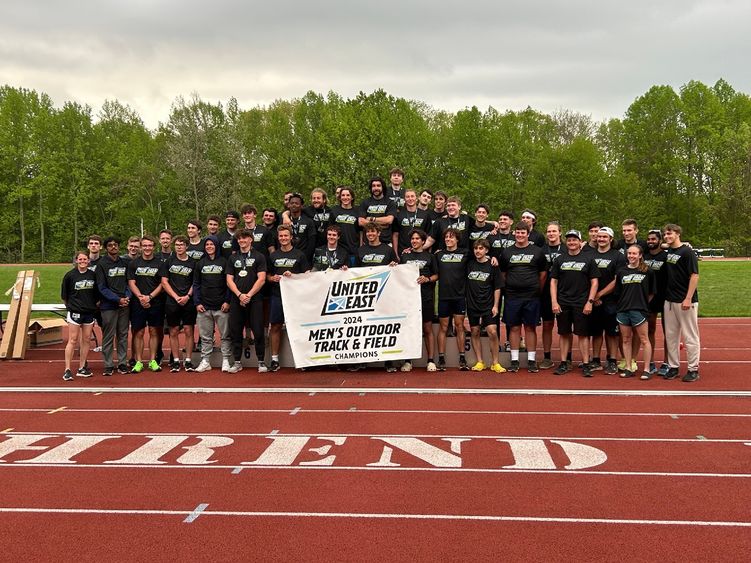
(353, 316)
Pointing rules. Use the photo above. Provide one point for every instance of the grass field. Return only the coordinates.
(724, 286)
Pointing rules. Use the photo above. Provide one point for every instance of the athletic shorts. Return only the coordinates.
(449, 307)
(657, 305)
(517, 312)
(80, 319)
(482, 318)
(140, 318)
(572, 316)
(631, 318)
(603, 319)
(178, 315)
(546, 306)
(276, 312)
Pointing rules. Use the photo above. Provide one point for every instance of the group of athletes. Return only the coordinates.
(226, 280)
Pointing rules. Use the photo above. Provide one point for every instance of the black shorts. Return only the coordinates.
(603, 319)
(573, 316)
(657, 305)
(177, 315)
(428, 309)
(276, 312)
(518, 311)
(140, 318)
(449, 307)
(482, 318)
(546, 306)
(80, 319)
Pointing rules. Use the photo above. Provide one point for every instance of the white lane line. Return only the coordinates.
(398, 411)
(197, 511)
(57, 410)
(383, 390)
(383, 516)
(490, 471)
(318, 434)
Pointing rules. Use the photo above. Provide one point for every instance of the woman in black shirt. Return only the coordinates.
(79, 294)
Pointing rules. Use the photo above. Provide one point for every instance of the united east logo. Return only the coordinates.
(357, 295)
(521, 258)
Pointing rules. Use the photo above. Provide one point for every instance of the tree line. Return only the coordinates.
(676, 156)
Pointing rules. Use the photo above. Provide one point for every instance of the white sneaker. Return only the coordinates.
(406, 366)
(432, 366)
(204, 365)
(234, 368)
(262, 367)
(225, 365)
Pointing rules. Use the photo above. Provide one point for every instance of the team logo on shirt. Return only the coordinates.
(212, 269)
(633, 278)
(195, 254)
(478, 276)
(357, 295)
(285, 262)
(602, 262)
(373, 258)
(521, 258)
(673, 258)
(573, 266)
(452, 258)
(654, 264)
(420, 263)
(248, 262)
(116, 272)
(146, 271)
(376, 209)
(180, 270)
(346, 219)
(84, 284)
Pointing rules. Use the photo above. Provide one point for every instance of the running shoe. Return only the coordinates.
(532, 366)
(463, 366)
(390, 368)
(274, 365)
(108, 372)
(203, 365)
(432, 367)
(236, 367)
(546, 363)
(562, 368)
(690, 376)
(645, 375)
(137, 367)
(67, 375)
(652, 367)
(406, 366)
(596, 365)
(188, 366)
(514, 367)
(498, 368)
(154, 366)
(672, 373)
(587, 371)
(84, 372)
(479, 366)
(441, 364)
(611, 368)
(627, 373)
(174, 367)
(262, 367)
(226, 365)
(663, 371)
(123, 369)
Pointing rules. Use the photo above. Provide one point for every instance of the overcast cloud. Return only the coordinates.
(587, 56)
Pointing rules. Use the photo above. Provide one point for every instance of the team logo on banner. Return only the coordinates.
(358, 295)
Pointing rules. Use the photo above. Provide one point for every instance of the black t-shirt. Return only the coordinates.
(210, 282)
(681, 264)
(621, 245)
(320, 217)
(146, 274)
(347, 221)
(179, 274)
(521, 268)
(244, 269)
(462, 223)
(498, 242)
(226, 243)
(408, 220)
(380, 255)
(196, 250)
(656, 263)
(574, 274)
(291, 261)
(477, 232)
(304, 235)
(79, 292)
(263, 238)
(633, 288)
(609, 263)
(482, 281)
(383, 207)
(93, 263)
(428, 265)
(112, 281)
(396, 196)
(323, 258)
(537, 239)
(452, 273)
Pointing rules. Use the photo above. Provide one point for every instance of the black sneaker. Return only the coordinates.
(123, 369)
(562, 368)
(441, 364)
(532, 366)
(611, 367)
(645, 375)
(274, 365)
(174, 367)
(595, 365)
(188, 365)
(390, 368)
(108, 372)
(131, 363)
(67, 375)
(587, 370)
(690, 377)
(627, 373)
(463, 364)
(672, 373)
(84, 372)
(514, 367)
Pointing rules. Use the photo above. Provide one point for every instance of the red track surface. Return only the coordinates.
(451, 476)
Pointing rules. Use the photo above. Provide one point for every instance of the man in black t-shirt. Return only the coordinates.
(395, 191)
(177, 282)
(112, 283)
(655, 258)
(195, 242)
(147, 304)
(378, 209)
(573, 286)
(408, 218)
(227, 236)
(681, 312)
(483, 304)
(524, 271)
(452, 304)
(246, 276)
(552, 250)
(630, 231)
(331, 255)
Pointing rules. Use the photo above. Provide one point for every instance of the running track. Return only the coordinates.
(377, 466)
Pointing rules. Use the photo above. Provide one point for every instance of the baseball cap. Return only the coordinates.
(574, 233)
(608, 231)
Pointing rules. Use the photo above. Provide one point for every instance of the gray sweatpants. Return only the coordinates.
(679, 323)
(115, 326)
(205, 322)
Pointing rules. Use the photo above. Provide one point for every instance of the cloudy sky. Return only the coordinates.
(594, 57)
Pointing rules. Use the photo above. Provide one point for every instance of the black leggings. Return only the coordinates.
(239, 317)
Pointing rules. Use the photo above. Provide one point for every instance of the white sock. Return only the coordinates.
(532, 356)
(515, 355)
